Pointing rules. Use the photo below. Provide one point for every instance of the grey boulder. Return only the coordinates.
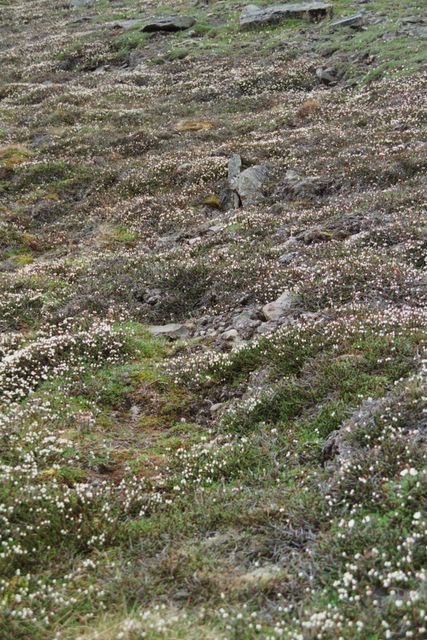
(243, 188)
(169, 23)
(249, 184)
(254, 16)
(275, 310)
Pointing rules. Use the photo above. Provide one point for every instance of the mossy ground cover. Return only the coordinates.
(267, 488)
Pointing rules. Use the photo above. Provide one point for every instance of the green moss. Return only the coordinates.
(23, 259)
(124, 235)
(130, 40)
(179, 53)
(13, 155)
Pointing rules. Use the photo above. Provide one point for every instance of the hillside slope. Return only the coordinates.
(212, 316)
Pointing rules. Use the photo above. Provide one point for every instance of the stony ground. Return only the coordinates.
(262, 474)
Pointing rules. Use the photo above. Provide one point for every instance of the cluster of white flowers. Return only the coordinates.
(60, 354)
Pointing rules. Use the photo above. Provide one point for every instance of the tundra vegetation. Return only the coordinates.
(213, 293)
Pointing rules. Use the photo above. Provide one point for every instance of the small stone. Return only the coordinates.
(287, 258)
(230, 335)
(290, 244)
(217, 228)
(169, 23)
(134, 411)
(326, 76)
(275, 310)
(216, 407)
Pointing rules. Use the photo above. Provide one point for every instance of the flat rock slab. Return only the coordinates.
(253, 16)
(355, 22)
(169, 23)
(173, 331)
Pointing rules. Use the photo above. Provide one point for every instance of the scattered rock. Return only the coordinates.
(355, 22)
(254, 16)
(173, 331)
(169, 23)
(217, 228)
(290, 245)
(230, 335)
(134, 411)
(192, 241)
(418, 32)
(287, 258)
(217, 407)
(266, 328)
(246, 322)
(278, 308)
(153, 296)
(339, 448)
(414, 19)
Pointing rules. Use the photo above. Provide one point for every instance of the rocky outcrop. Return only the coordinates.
(244, 188)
